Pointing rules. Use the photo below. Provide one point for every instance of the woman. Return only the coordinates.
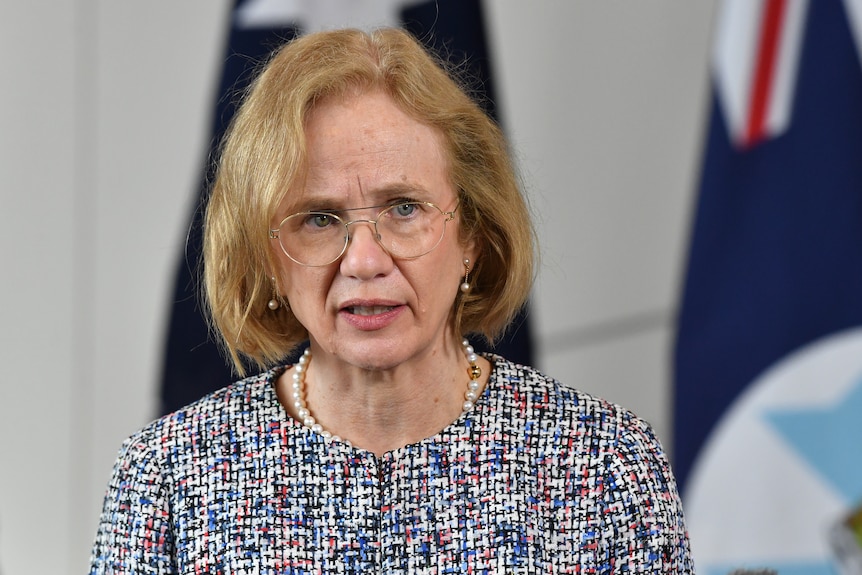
(365, 204)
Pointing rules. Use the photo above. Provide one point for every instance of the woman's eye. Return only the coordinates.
(320, 220)
(405, 210)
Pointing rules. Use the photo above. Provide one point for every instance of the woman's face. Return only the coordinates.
(369, 309)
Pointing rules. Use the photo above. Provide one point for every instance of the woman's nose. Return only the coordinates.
(365, 257)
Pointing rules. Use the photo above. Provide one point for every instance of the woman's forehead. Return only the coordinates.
(364, 151)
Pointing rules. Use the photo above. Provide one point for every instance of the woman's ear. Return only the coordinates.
(471, 250)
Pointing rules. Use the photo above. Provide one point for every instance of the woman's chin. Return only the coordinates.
(374, 354)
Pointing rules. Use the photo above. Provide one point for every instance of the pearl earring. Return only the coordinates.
(465, 286)
(273, 304)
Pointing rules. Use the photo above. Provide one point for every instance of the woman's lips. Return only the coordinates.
(368, 316)
(369, 310)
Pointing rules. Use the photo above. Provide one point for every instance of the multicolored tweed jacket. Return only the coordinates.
(538, 478)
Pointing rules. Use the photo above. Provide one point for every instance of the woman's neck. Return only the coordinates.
(382, 410)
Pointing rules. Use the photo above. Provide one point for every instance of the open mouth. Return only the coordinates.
(369, 310)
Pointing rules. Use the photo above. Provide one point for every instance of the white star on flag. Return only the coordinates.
(315, 15)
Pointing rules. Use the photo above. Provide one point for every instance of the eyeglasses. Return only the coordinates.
(406, 230)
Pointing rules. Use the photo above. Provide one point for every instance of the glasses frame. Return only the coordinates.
(274, 233)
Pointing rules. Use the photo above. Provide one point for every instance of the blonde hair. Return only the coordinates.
(263, 157)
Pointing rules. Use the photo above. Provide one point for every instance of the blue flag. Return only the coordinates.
(768, 359)
(192, 364)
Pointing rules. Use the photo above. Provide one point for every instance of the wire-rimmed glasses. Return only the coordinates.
(406, 230)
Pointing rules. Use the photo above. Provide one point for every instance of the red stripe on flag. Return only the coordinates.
(761, 87)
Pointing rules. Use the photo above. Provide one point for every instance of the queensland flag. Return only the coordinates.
(768, 358)
(192, 364)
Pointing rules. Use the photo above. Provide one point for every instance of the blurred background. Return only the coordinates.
(104, 128)
(105, 122)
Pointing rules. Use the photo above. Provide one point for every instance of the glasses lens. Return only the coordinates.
(410, 230)
(313, 238)
(405, 230)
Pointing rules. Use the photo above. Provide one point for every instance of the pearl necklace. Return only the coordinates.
(304, 415)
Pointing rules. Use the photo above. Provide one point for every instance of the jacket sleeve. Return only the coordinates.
(641, 509)
(134, 533)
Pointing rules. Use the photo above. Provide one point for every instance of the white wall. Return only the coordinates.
(104, 109)
(103, 119)
(604, 102)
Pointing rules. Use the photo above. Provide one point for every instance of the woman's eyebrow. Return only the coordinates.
(377, 197)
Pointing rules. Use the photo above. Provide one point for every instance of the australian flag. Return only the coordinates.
(192, 364)
(768, 359)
